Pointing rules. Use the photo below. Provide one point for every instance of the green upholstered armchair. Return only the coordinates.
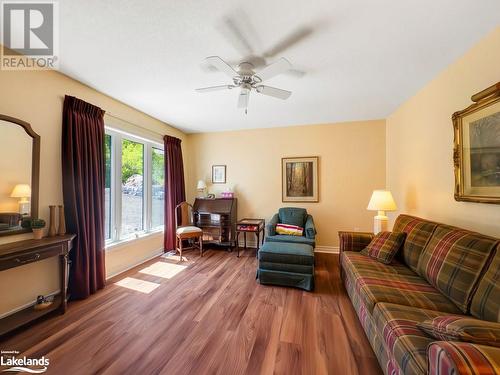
(292, 216)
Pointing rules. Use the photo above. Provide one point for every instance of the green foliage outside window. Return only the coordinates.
(132, 159)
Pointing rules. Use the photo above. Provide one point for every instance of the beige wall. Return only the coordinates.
(352, 164)
(420, 142)
(37, 97)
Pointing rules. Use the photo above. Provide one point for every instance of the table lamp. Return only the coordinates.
(22, 191)
(201, 186)
(381, 201)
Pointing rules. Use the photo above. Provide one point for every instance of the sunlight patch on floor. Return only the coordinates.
(138, 285)
(174, 258)
(163, 269)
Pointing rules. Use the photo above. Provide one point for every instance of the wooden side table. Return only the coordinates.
(250, 226)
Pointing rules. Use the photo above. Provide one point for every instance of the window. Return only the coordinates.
(158, 187)
(107, 188)
(132, 184)
(135, 184)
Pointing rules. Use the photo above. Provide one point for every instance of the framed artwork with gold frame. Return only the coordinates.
(476, 153)
(300, 181)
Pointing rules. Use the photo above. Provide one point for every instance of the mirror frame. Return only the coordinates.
(35, 169)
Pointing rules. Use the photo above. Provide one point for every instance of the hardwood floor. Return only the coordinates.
(205, 316)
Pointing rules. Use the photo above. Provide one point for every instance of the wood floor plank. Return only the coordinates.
(208, 315)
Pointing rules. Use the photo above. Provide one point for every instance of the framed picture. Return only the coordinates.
(218, 174)
(300, 179)
(477, 148)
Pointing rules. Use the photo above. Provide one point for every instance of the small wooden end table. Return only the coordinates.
(250, 226)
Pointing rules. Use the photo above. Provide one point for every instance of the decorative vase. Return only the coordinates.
(37, 233)
(62, 222)
(52, 225)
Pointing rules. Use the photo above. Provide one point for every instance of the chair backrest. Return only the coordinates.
(183, 214)
(292, 216)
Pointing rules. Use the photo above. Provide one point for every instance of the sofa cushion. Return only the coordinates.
(418, 232)
(291, 239)
(462, 328)
(393, 286)
(287, 253)
(453, 261)
(293, 216)
(486, 300)
(384, 246)
(397, 325)
(358, 264)
(451, 358)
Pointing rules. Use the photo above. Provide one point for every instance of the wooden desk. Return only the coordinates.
(19, 253)
(217, 219)
(250, 226)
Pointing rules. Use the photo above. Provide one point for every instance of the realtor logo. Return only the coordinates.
(30, 35)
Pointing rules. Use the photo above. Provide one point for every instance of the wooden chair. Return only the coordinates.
(185, 229)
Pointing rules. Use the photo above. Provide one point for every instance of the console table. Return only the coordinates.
(19, 253)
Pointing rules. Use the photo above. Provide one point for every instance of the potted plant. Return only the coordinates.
(37, 226)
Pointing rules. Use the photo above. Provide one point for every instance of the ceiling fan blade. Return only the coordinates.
(243, 98)
(215, 88)
(236, 36)
(221, 65)
(274, 92)
(280, 66)
(294, 38)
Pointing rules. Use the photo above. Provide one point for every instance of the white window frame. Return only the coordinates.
(117, 136)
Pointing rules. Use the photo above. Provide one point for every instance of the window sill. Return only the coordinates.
(142, 236)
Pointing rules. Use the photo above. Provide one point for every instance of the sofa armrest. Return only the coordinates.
(309, 228)
(354, 241)
(453, 357)
(271, 225)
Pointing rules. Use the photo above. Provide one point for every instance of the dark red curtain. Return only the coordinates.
(83, 188)
(175, 191)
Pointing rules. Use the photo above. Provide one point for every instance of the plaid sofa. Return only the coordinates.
(440, 270)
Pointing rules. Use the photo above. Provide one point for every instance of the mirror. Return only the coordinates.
(19, 175)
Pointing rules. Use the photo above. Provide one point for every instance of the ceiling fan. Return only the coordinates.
(247, 80)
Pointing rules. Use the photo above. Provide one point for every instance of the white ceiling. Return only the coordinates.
(362, 58)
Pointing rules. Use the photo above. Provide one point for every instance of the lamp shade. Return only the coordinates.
(201, 185)
(21, 191)
(382, 200)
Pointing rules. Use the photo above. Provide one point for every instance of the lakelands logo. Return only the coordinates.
(29, 35)
(23, 364)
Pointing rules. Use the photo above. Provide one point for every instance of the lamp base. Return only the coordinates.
(24, 208)
(380, 222)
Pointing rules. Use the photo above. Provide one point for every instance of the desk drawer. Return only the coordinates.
(29, 257)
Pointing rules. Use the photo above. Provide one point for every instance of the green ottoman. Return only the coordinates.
(286, 264)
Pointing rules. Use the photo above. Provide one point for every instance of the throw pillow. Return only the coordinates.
(384, 246)
(462, 328)
(291, 230)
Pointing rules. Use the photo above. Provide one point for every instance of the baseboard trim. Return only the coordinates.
(327, 249)
(26, 305)
(157, 254)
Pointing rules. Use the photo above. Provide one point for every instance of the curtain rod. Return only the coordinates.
(106, 113)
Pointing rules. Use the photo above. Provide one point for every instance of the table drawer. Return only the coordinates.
(29, 257)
